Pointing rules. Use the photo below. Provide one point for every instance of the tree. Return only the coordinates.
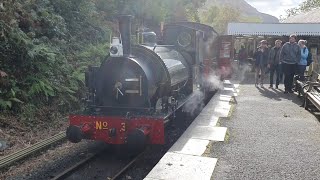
(219, 17)
(46, 45)
(303, 7)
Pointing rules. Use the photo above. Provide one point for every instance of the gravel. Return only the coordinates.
(51, 162)
(271, 137)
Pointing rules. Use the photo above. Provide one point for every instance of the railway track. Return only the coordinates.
(68, 172)
(23, 153)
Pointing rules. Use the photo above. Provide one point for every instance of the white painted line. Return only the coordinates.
(236, 85)
(222, 111)
(218, 105)
(225, 98)
(191, 146)
(174, 166)
(206, 120)
(206, 133)
(229, 89)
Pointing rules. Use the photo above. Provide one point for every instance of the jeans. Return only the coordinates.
(275, 69)
(281, 74)
(258, 69)
(300, 71)
(289, 71)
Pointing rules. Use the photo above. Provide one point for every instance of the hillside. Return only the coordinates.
(245, 8)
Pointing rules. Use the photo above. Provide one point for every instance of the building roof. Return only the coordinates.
(312, 16)
(277, 29)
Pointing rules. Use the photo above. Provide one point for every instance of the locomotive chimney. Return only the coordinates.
(125, 31)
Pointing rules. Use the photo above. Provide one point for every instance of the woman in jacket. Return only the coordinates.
(302, 64)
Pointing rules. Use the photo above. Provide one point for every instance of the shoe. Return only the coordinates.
(290, 91)
(286, 92)
(270, 86)
(277, 87)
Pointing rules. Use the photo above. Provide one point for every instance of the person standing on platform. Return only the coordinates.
(290, 55)
(273, 63)
(242, 56)
(261, 61)
(302, 64)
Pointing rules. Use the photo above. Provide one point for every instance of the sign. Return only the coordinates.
(225, 51)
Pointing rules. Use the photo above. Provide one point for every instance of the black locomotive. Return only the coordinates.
(139, 86)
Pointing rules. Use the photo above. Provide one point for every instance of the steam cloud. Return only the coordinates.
(240, 73)
(213, 82)
(195, 103)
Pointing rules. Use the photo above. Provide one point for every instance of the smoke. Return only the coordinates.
(225, 71)
(209, 43)
(239, 73)
(195, 103)
(213, 82)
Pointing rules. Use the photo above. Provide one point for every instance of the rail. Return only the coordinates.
(126, 167)
(23, 153)
(68, 172)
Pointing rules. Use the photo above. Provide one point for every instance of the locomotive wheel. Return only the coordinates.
(74, 134)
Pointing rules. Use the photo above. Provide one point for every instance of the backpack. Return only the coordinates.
(309, 58)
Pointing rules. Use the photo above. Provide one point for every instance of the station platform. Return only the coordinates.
(246, 132)
(186, 159)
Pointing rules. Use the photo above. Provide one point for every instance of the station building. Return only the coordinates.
(250, 34)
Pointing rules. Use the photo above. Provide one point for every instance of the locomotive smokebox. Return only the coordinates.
(125, 31)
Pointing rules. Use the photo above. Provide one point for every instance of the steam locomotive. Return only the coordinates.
(133, 94)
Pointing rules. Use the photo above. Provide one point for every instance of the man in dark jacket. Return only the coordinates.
(261, 62)
(273, 63)
(290, 55)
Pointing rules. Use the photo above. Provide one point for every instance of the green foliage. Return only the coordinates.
(250, 19)
(303, 7)
(153, 12)
(219, 17)
(46, 46)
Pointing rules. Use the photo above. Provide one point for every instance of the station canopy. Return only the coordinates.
(276, 29)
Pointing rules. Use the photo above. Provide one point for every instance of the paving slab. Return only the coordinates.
(207, 120)
(225, 98)
(174, 166)
(190, 146)
(206, 133)
(220, 108)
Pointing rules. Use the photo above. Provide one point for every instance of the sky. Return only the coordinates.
(274, 7)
